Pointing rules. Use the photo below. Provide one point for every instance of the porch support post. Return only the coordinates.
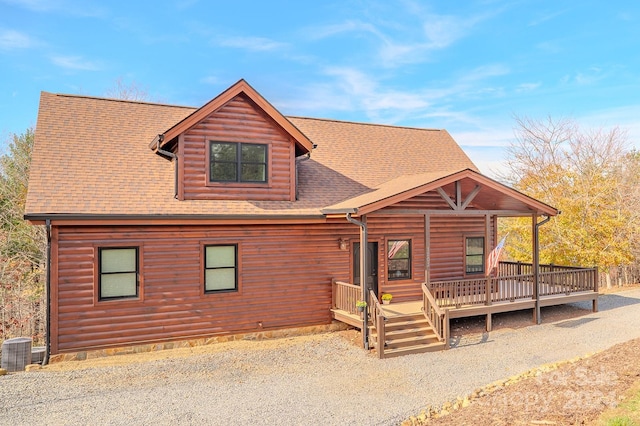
(427, 249)
(363, 273)
(487, 245)
(364, 249)
(536, 263)
(536, 268)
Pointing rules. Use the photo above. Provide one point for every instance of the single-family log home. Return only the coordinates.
(167, 223)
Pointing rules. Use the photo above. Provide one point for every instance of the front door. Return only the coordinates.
(372, 265)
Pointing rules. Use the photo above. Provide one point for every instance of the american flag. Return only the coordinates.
(395, 248)
(494, 256)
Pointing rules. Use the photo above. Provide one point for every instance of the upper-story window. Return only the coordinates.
(238, 162)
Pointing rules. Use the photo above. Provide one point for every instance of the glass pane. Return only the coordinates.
(220, 279)
(223, 171)
(224, 152)
(254, 173)
(398, 249)
(474, 260)
(220, 256)
(118, 285)
(118, 260)
(254, 153)
(475, 245)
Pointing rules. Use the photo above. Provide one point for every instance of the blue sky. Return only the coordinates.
(466, 66)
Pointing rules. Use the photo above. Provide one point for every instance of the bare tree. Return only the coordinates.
(588, 175)
(130, 92)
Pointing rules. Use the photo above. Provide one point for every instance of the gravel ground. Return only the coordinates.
(320, 379)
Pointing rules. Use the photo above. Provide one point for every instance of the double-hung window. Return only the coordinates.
(237, 162)
(474, 255)
(220, 268)
(398, 259)
(118, 272)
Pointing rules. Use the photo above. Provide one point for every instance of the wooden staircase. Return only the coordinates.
(407, 334)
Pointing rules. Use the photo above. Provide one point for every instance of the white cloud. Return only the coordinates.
(527, 87)
(81, 8)
(255, 44)
(11, 39)
(75, 63)
(320, 32)
(211, 79)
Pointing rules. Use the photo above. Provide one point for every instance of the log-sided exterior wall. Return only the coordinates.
(237, 121)
(285, 273)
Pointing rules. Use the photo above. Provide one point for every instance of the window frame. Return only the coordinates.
(238, 164)
(483, 255)
(98, 273)
(237, 269)
(387, 260)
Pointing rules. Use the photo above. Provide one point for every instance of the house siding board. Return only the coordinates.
(286, 276)
(447, 243)
(237, 121)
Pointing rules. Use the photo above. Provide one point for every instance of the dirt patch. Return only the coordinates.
(572, 393)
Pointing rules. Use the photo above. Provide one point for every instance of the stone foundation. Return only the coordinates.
(159, 346)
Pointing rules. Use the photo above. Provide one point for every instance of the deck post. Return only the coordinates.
(487, 283)
(596, 276)
(534, 265)
(363, 272)
(427, 248)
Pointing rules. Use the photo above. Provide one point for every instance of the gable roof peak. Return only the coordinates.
(240, 87)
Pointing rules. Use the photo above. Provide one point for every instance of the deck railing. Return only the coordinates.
(437, 317)
(514, 282)
(345, 296)
(378, 321)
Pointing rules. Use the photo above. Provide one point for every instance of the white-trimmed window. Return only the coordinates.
(398, 259)
(118, 272)
(220, 268)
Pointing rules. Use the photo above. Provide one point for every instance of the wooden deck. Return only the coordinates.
(423, 325)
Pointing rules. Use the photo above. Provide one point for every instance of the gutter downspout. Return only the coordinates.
(536, 269)
(47, 344)
(297, 161)
(363, 274)
(172, 156)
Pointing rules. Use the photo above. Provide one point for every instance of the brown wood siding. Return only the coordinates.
(428, 201)
(382, 228)
(447, 243)
(238, 121)
(286, 282)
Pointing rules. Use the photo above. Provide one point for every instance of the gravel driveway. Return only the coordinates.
(320, 379)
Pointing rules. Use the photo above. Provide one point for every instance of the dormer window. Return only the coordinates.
(238, 162)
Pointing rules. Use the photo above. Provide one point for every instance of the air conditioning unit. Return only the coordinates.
(16, 354)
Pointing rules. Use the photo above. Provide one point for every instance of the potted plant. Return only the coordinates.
(386, 298)
(360, 305)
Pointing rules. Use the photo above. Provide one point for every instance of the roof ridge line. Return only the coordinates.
(100, 98)
(361, 123)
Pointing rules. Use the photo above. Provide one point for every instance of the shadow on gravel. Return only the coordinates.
(461, 341)
(575, 323)
(607, 302)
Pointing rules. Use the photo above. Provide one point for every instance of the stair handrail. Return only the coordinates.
(378, 319)
(437, 317)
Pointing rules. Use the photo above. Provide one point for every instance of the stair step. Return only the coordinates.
(405, 317)
(406, 326)
(408, 332)
(415, 349)
(409, 341)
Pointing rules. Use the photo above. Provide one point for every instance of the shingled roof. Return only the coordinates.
(92, 158)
